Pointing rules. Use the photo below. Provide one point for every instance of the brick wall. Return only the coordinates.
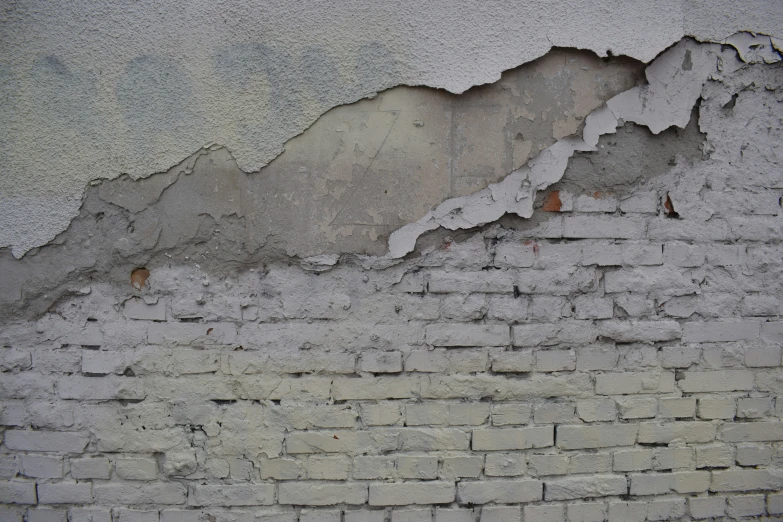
(609, 363)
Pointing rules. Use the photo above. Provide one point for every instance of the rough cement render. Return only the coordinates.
(171, 79)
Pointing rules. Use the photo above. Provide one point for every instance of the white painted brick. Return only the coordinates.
(675, 408)
(412, 515)
(510, 413)
(775, 504)
(597, 202)
(134, 493)
(545, 513)
(752, 455)
(745, 480)
(41, 467)
(554, 413)
(666, 433)
(597, 357)
(664, 483)
(136, 515)
(136, 468)
(637, 408)
(454, 515)
(407, 493)
(746, 506)
(501, 514)
(544, 465)
(417, 467)
(183, 515)
(508, 308)
(468, 414)
(754, 407)
(591, 307)
(93, 515)
(555, 360)
(504, 464)
(632, 460)
(514, 362)
(720, 331)
(17, 492)
(381, 414)
(763, 355)
(752, 432)
(321, 493)
(46, 441)
(46, 515)
(680, 356)
(718, 381)
(603, 227)
(681, 254)
(634, 383)
(673, 458)
(381, 362)
(666, 509)
(427, 414)
(586, 512)
(320, 515)
(321, 467)
(100, 388)
(596, 410)
(427, 361)
(374, 467)
(500, 491)
(136, 308)
(467, 335)
(707, 507)
(717, 408)
(65, 493)
(514, 255)
(503, 439)
(600, 436)
(103, 362)
(365, 515)
(566, 332)
(640, 203)
(461, 467)
(714, 456)
(569, 488)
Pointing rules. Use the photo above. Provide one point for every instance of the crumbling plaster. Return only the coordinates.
(94, 91)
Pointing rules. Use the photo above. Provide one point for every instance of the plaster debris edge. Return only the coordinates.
(675, 80)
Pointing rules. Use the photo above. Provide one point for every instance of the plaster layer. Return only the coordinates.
(172, 78)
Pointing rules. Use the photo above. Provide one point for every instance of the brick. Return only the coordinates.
(501, 514)
(680, 356)
(320, 515)
(632, 460)
(422, 468)
(491, 282)
(92, 514)
(640, 203)
(545, 513)
(321, 493)
(569, 488)
(381, 362)
(340, 441)
(718, 381)
(46, 515)
(746, 506)
(426, 361)
(17, 492)
(504, 464)
(554, 413)
(596, 410)
(412, 515)
(666, 433)
(132, 493)
(503, 439)
(666, 509)
(745, 480)
(772, 331)
(454, 515)
(543, 465)
(508, 308)
(468, 414)
(775, 504)
(381, 414)
(46, 441)
(707, 507)
(374, 467)
(714, 456)
(65, 493)
(365, 515)
(9, 466)
(407, 493)
(375, 388)
(603, 227)
(134, 515)
(427, 414)
(450, 335)
(664, 483)
(413, 439)
(630, 331)
(601, 436)
(136, 308)
(512, 362)
(42, 467)
(717, 408)
(597, 357)
(500, 491)
(555, 360)
(752, 455)
(328, 468)
(190, 333)
(567, 332)
(720, 331)
(591, 307)
(100, 388)
(461, 467)
(650, 279)
(634, 383)
(137, 468)
(509, 413)
(673, 458)
(514, 255)
(586, 512)
(754, 407)
(676, 408)
(752, 432)
(763, 356)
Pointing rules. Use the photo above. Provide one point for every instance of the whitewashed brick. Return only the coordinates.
(746, 506)
(503, 439)
(720, 381)
(407, 493)
(450, 335)
(321, 493)
(17, 492)
(500, 491)
(666, 509)
(586, 512)
(501, 514)
(601, 436)
(545, 513)
(707, 507)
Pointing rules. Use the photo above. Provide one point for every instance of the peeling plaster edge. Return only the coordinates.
(665, 101)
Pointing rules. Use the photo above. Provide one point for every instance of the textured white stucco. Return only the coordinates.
(93, 90)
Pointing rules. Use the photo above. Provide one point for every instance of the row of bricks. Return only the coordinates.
(360, 335)
(228, 388)
(497, 307)
(327, 493)
(422, 467)
(188, 361)
(670, 508)
(382, 440)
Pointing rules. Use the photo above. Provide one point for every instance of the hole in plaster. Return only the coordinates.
(139, 277)
(669, 208)
(729, 105)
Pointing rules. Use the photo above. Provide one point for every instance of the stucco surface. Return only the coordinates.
(94, 90)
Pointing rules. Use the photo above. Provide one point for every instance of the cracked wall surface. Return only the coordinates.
(553, 297)
(134, 88)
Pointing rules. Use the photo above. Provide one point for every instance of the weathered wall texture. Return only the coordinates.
(553, 297)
